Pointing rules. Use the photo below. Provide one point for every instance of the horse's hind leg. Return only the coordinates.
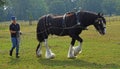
(71, 50)
(38, 50)
(49, 54)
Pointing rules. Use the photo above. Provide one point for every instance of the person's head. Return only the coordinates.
(13, 18)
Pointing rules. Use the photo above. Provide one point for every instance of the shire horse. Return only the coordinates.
(70, 24)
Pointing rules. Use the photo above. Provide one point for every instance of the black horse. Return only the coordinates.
(71, 24)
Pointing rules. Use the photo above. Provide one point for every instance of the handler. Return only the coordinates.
(15, 36)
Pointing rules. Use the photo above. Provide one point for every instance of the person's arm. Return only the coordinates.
(12, 31)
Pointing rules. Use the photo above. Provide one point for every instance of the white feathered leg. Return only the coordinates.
(71, 52)
(39, 51)
(77, 49)
(49, 54)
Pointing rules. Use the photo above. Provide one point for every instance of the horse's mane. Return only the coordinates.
(89, 12)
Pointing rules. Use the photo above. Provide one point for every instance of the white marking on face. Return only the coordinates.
(103, 25)
(104, 30)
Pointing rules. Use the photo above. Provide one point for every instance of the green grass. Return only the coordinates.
(99, 52)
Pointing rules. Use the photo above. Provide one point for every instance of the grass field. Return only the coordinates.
(99, 52)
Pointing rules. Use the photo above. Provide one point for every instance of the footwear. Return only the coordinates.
(10, 53)
(17, 55)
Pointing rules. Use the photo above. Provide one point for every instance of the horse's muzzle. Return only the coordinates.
(103, 32)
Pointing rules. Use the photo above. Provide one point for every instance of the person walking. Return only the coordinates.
(15, 36)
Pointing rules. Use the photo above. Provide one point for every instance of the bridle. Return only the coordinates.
(100, 22)
(97, 21)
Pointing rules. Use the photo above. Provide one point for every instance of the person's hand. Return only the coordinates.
(20, 33)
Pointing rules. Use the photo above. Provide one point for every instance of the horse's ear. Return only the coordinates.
(100, 14)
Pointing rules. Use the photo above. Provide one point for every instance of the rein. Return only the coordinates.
(53, 27)
(47, 23)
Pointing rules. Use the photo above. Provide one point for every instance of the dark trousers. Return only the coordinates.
(15, 44)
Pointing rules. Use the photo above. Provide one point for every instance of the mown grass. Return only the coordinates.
(99, 52)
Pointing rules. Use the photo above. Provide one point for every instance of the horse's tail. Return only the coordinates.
(37, 47)
(39, 29)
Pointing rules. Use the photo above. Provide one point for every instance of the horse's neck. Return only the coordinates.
(87, 18)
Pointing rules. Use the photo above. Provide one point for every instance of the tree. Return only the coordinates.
(109, 6)
(33, 9)
(92, 5)
(57, 7)
(118, 7)
(2, 7)
(2, 2)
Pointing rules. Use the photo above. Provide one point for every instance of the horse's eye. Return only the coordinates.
(99, 22)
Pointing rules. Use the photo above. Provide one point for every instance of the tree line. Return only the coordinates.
(33, 9)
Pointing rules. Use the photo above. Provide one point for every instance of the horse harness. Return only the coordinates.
(48, 24)
(63, 23)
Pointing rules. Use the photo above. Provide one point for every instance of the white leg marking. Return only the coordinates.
(105, 30)
(77, 49)
(71, 52)
(39, 51)
(49, 54)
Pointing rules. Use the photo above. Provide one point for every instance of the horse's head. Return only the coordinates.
(100, 24)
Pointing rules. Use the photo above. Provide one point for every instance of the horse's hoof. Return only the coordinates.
(77, 50)
(80, 52)
(75, 54)
(40, 55)
(72, 57)
(52, 56)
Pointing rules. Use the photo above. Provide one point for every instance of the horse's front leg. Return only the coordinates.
(38, 50)
(49, 54)
(73, 51)
(78, 49)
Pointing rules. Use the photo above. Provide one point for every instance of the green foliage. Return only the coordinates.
(99, 52)
(57, 7)
(92, 5)
(2, 2)
(110, 6)
(23, 10)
